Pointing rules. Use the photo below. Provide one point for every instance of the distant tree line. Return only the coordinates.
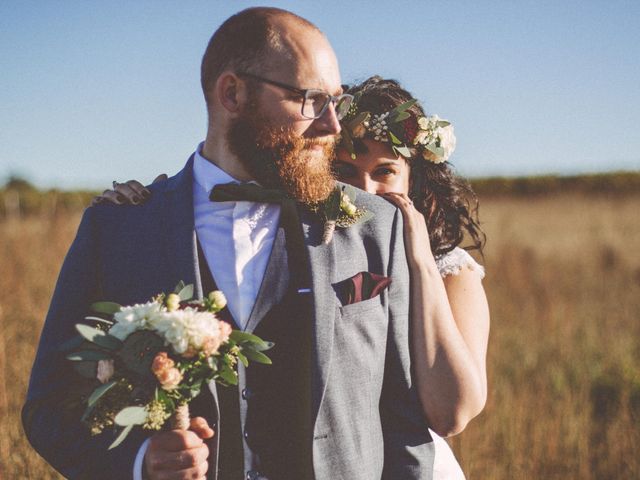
(19, 198)
(600, 183)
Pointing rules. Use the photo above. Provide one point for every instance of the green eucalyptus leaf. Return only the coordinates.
(213, 363)
(106, 307)
(402, 116)
(239, 336)
(123, 434)
(357, 120)
(99, 392)
(88, 356)
(443, 123)
(242, 357)
(100, 320)
(71, 344)
(99, 337)
(331, 209)
(365, 217)
(131, 416)
(86, 369)
(256, 356)
(228, 375)
(263, 346)
(179, 287)
(406, 105)
(439, 151)
(350, 192)
(186, 293)
(138, 351)
(394, 139)
(402, 150)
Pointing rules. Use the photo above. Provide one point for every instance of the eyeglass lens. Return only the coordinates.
(317, 101)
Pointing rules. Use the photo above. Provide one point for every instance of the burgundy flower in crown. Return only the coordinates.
(431, 136)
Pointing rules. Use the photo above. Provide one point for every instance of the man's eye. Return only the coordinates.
(383, 172)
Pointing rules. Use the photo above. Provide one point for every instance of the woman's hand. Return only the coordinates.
(416, 236)
(127, 193)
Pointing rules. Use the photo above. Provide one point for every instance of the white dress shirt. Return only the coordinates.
(236, 238)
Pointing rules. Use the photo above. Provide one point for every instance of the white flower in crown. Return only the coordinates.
(447, 140)
(378, 126)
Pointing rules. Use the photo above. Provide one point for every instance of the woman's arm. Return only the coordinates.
(450, 328)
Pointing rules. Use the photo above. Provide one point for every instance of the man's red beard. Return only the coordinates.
(276, 158)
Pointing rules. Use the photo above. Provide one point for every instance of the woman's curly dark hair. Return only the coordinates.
(447, 201)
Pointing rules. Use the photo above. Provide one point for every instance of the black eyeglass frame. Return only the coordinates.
(305, 94)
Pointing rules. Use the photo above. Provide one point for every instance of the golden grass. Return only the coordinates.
(563, 280)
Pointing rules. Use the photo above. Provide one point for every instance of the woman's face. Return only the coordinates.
(377, 171)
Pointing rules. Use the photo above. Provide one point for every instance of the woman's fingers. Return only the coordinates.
(132, 187)
(109, 196)
(400, 200)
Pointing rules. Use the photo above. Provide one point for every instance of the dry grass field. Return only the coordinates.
(563, 280)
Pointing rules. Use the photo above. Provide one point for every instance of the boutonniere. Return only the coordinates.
(339, 210)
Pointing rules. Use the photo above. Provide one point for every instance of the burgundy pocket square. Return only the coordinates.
(362, 286)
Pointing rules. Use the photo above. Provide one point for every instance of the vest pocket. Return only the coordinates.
(368, 307)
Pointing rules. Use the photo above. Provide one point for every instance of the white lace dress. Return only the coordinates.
(445, 466)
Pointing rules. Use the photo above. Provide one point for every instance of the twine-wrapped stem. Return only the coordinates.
(180, 420)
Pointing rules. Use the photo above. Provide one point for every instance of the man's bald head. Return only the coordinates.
(252, 40)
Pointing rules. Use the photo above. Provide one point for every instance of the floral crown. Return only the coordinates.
(401, 129)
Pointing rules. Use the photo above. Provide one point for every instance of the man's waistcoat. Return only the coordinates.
(264, 427)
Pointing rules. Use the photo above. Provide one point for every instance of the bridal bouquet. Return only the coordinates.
(150, 360)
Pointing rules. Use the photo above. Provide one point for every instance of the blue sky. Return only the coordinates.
(92, 91)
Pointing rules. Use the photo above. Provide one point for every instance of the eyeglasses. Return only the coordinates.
(315, 102)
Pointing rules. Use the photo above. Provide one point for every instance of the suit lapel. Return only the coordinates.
(274, 283)
(181, 253)
(322, 259)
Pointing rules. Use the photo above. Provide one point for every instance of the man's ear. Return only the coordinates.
(231, 92)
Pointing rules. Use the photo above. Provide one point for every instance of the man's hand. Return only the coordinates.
(179, 454)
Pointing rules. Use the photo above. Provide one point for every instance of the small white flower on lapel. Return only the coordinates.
(339, 210)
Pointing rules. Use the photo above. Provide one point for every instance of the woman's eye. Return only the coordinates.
(384, 172)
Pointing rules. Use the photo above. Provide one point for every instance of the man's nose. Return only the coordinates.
(328, 123)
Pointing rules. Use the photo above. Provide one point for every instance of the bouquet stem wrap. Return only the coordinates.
(180, 419)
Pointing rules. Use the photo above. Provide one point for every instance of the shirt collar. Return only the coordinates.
(207, 174)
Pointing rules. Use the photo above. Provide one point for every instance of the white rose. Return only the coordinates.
(447, 140)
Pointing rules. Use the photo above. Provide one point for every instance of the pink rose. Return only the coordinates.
(210, 346)
(161, 362)
(225, 332)
(105, 370)
(169, 378)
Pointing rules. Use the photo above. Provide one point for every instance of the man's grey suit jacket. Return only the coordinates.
(368, 421)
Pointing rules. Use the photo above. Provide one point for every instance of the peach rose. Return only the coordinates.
(210, 346)
(225, 331)
(169, 378)
(161, 362)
